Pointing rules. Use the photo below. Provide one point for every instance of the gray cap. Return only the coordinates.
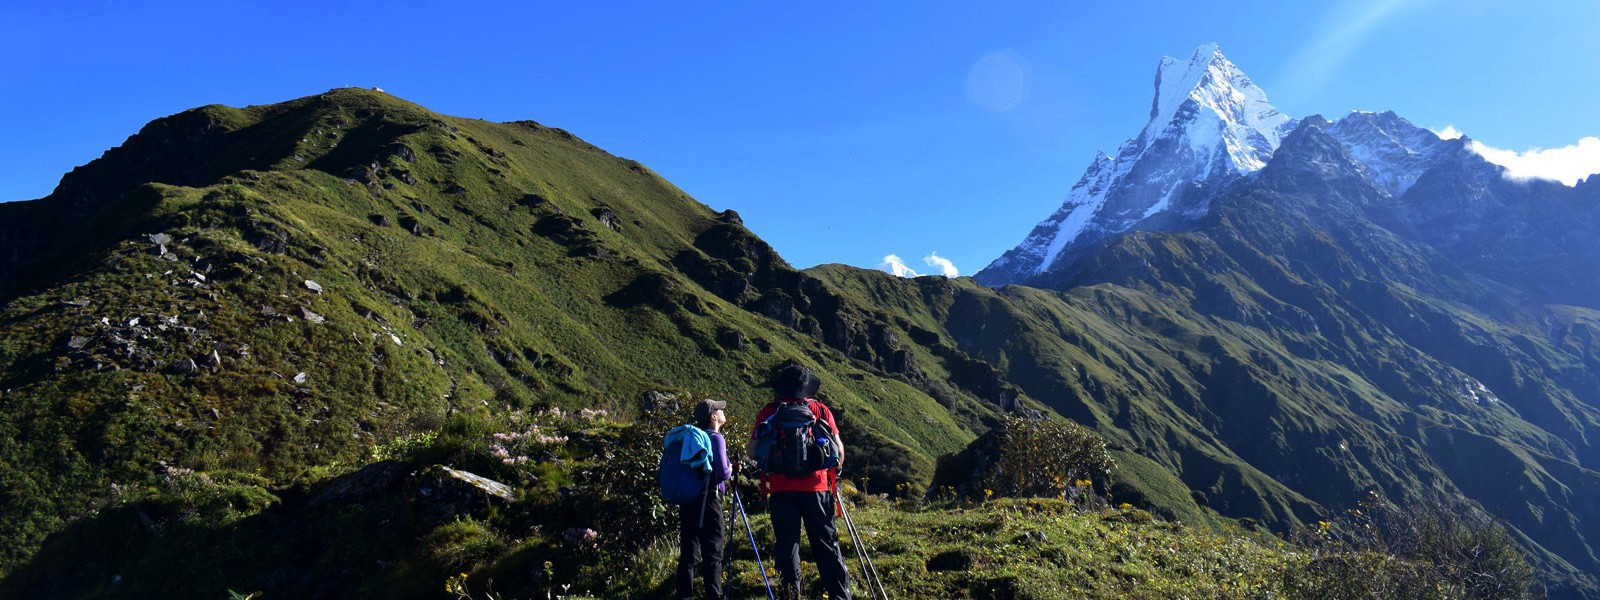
(704, 408)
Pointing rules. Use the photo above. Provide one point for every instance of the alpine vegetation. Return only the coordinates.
(344, 346)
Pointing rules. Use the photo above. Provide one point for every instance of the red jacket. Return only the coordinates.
(820, 481)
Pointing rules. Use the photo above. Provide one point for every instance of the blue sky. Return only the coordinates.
(841, 132)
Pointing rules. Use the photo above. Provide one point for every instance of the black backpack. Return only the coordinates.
(794, 442)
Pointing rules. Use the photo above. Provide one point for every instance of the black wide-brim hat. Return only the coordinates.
(795, 381)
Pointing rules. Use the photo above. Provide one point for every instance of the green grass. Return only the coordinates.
(469, 280)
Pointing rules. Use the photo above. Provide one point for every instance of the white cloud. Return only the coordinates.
(947, 268)
(1567, 164)
(1448, 133)
(893, 264)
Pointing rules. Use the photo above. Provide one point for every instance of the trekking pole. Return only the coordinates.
(752, 533)
(855, 544)
(872, 569)
(869, 573)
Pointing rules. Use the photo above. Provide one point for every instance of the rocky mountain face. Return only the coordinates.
(1412, 320)
(1208, 123)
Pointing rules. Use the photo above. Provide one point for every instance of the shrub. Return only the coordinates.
(1029, 458)
(1425, 551)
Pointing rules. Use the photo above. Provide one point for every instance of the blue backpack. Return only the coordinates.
(685, 464)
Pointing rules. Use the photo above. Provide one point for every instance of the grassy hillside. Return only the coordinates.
(283, 333)
(372, 270)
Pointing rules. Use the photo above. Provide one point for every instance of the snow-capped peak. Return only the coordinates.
(1389, 150)
(1250, 127)
(1207, 121)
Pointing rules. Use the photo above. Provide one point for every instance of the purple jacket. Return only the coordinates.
(721, 470)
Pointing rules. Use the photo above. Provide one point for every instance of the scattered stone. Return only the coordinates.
(403, 152)
(185, 367)
(77, 342)
(134, 322)
(455, 189)
(444, 493)
(169, 257)
(607, 218)
(372, 482)
(313, 286)
(731, 339)
(300, 377)
(78, 302)
(160, 239)
(379, 220)
(411, 224)
(311, 316)
(268, 311)
(216, 359)
(396, 339)
(657, 401)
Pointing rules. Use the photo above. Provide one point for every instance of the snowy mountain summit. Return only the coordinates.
(1208, 123)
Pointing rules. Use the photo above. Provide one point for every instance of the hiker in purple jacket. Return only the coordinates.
(700, 523)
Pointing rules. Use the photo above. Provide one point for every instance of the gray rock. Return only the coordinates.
(216, 359)
(371, 483)
(169, 257)
(77, 342)
(300, 377)
(160, 239)
(442, 493)
(313, 286)
(185, 367)
(311, 316)
(657, 401)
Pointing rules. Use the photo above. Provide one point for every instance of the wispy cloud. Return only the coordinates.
(893, 264)
(945, 267)
(1567, 164)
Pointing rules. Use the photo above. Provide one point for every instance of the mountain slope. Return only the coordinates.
(1375, 360)
(277, 290)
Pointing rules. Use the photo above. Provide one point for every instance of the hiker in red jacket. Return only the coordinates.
(808, 499)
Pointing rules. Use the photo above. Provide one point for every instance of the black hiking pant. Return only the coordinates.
(815, 510)
(701, 534)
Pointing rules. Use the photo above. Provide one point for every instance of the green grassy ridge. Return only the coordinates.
(494, 285)
(1220, 343)
(469, 273)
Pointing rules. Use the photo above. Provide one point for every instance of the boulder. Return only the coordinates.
(441, 493)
